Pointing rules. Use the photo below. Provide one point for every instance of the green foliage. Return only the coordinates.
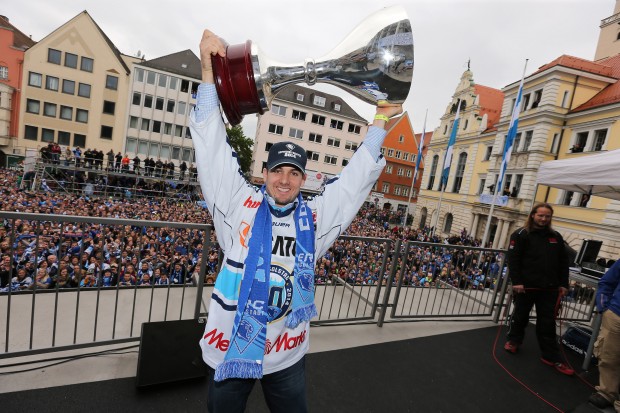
(243, 146)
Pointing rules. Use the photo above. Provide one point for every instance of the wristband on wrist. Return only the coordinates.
(382, 117)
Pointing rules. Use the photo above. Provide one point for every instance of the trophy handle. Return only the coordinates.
(235, 83)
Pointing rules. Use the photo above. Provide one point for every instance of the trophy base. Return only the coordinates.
(235, 83)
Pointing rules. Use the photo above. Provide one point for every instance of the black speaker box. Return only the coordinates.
(169, 352)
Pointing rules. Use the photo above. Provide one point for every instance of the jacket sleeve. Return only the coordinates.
(607, 287)
(343, 196)
(223, 186)
(563, 264)
(515, 256)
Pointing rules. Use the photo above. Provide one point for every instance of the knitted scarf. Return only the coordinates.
(244, 358)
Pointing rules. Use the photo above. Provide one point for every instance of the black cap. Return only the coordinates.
(287, 153)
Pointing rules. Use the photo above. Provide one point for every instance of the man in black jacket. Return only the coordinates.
(538, 270)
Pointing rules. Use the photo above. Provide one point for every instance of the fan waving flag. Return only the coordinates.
(512, 132)
(448, 158)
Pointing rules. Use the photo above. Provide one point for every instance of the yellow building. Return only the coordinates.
(76, 85)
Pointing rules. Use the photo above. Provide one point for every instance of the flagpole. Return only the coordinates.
(512, 131)
(417, 165)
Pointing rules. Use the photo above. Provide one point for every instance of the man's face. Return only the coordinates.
(283, 183)
(542, 217)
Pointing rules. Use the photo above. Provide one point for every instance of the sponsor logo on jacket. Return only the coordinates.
(244, 229)
(250, 203)
(283, 342)
(215, 339)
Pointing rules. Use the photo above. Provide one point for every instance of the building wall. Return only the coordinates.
(81, 37)
(608, 35)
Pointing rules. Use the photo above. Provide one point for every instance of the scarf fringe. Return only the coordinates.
(300, 314)
(238, 368)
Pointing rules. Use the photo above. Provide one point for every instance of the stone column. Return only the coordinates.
(502, 239)
(474, 226)
(498, 231)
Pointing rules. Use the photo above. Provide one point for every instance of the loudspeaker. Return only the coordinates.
(169, 352)
(589, 251)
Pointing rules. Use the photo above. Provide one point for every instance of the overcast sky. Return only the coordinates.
(496, 35)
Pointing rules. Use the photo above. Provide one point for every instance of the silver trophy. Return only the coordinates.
(374, 62)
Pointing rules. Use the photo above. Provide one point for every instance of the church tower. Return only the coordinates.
(609, 37)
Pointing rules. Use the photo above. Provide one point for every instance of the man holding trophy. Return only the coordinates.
(263, 299)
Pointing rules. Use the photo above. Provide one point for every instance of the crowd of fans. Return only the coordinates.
(46, 254)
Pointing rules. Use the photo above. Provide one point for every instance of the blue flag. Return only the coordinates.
(448, 158)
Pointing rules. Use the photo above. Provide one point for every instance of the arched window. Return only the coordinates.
(431, 177)
(423, 215)
(447, 227)
(618, 37)
(460, 171)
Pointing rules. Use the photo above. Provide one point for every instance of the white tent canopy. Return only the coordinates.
(598, 174)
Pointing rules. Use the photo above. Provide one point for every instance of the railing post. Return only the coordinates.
(388, 287)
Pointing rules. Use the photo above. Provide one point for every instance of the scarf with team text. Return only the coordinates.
(244, 358)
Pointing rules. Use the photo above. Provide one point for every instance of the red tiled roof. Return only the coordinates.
(490, 101)
(599, 68)
(20, 40)
(611, 93)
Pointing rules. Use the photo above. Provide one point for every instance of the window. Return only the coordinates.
(336, 124)
(66, 112)
(516, 143)
(68, 86)
(174, 81)
(148, 101)
(599, 139)
(398, 155)
(181, 108)
(31, 133)
(157, 126)
(47, 135)
(299, 115)
(137, 98)
(154, 150)
(111, 82)
(333, 142)
(465, 124)
(445, 129)
(408, 173)
(448, 225)
(299, 97)
(567, 198)
(143, 147)
(187, 153)
(84, 90)
(71, 60)
(537, 98)
(319, 101)
(401, 139)
(312, 156)
(33, 106)
(565, 99)
(345, 161)
(431, 176)
(79, 140)
(554, 143)
(86, 64)
(487, 154)
(396, 190)
(350, 146)
(184, 85)
(167, 128)
(315, 137)
(49, 109)
(35, 79)
(170, 105)
(81, 115)
(318, 119)
(4, 72)
(460, 171)
(386, 188)
(53, 56)
(296, 133)
(481, 186)
(517, 186)
(354, 128)
(580, 142)
(131, 145)
(178, 130)
(145, 124)
(176, 151)
(278, 110)
(133, 122)
(400, 172)
(388, 169)
(139, 75)
(188, 134)
(390, 153)
(163, 80)
(159, 103)
(165, 152)
(51, 83)
(330, 159)
(528, 140)
(268, 146)
(64, 138)
(277, 129)
(525, 103)
(106, 132)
